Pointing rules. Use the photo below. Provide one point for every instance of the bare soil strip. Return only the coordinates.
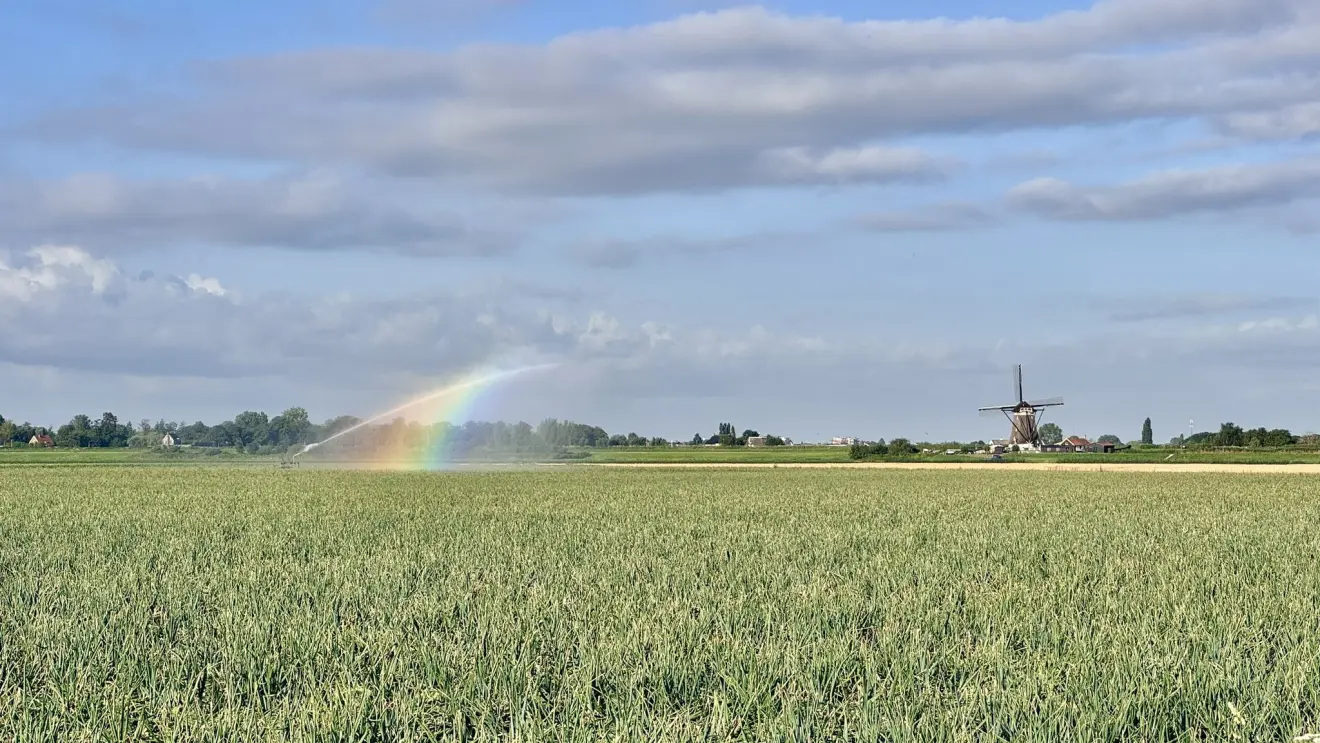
(1297, 469)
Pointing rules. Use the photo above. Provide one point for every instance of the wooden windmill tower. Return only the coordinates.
(1023, 415)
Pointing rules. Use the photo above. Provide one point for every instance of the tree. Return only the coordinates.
(750, 434)
(697, 440)
(288, 428)
(1280, 437)
(773, 441)
(107, 431)
(1230, 434)
(901, 447)
(1050, 433)
(1109, 438)
(1147, 433)
(250, 427)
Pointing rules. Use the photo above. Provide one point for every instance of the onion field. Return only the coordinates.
(566, 604)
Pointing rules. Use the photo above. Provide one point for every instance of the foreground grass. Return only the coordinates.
(213, 604)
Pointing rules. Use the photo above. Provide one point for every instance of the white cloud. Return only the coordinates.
(1288, 123)
(53, 267)
(205, 349)
(317, 210)
(740, 97)
(847, 165)
(1173, 192)
(202, 284)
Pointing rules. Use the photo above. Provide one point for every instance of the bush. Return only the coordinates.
(901, 448)
(862, 451)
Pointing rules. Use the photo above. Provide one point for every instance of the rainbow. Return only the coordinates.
(453, 402)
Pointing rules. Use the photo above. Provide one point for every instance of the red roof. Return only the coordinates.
(1076, 441)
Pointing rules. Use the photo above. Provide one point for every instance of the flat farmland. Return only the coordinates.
(657, 604)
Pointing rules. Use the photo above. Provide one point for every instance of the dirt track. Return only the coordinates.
(1259, 469)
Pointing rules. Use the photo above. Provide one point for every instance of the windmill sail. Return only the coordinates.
(1023, 416)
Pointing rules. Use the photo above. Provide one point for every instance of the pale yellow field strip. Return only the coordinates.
(1298, 469)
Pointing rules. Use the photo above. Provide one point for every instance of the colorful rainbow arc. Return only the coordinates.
(453, 402)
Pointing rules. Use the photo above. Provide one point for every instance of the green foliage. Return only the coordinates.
(901, 448)
(222, 604)
(1050, 433)
(1230, 434)
(1109, 438)
(860, 450)
(1147, 433)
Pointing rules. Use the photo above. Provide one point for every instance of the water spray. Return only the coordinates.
(451, 389)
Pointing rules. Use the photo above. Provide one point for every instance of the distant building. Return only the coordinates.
(1072, 444)
(168, 441)
(42, 439)
(843, 441)
(756, 440)
(1079, 445)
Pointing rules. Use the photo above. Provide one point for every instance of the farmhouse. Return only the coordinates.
(167, 441)
(1070, 444)
(756, 440)
(42, 439)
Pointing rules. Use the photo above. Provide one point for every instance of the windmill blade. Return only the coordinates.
(1048, 402)
(997, 408)
(1020, 398)
(991, 412)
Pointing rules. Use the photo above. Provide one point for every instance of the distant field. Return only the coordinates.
(675, 455)
(63, 456)
(720, 454)
(806, 454)
(662, 605)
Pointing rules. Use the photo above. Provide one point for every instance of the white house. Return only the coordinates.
(167, 441)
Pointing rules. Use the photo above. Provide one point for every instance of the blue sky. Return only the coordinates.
(814, 219)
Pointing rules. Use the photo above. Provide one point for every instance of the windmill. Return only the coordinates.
(1024, 415)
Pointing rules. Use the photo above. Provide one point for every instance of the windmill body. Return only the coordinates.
(1023, 415)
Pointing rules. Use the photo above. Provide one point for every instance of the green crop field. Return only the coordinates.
(197, 604)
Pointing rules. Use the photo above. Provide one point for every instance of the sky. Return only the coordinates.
(811, 219)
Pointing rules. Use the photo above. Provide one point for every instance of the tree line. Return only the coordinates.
(255, 432)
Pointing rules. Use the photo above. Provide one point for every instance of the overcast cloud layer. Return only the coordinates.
(823, 224)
